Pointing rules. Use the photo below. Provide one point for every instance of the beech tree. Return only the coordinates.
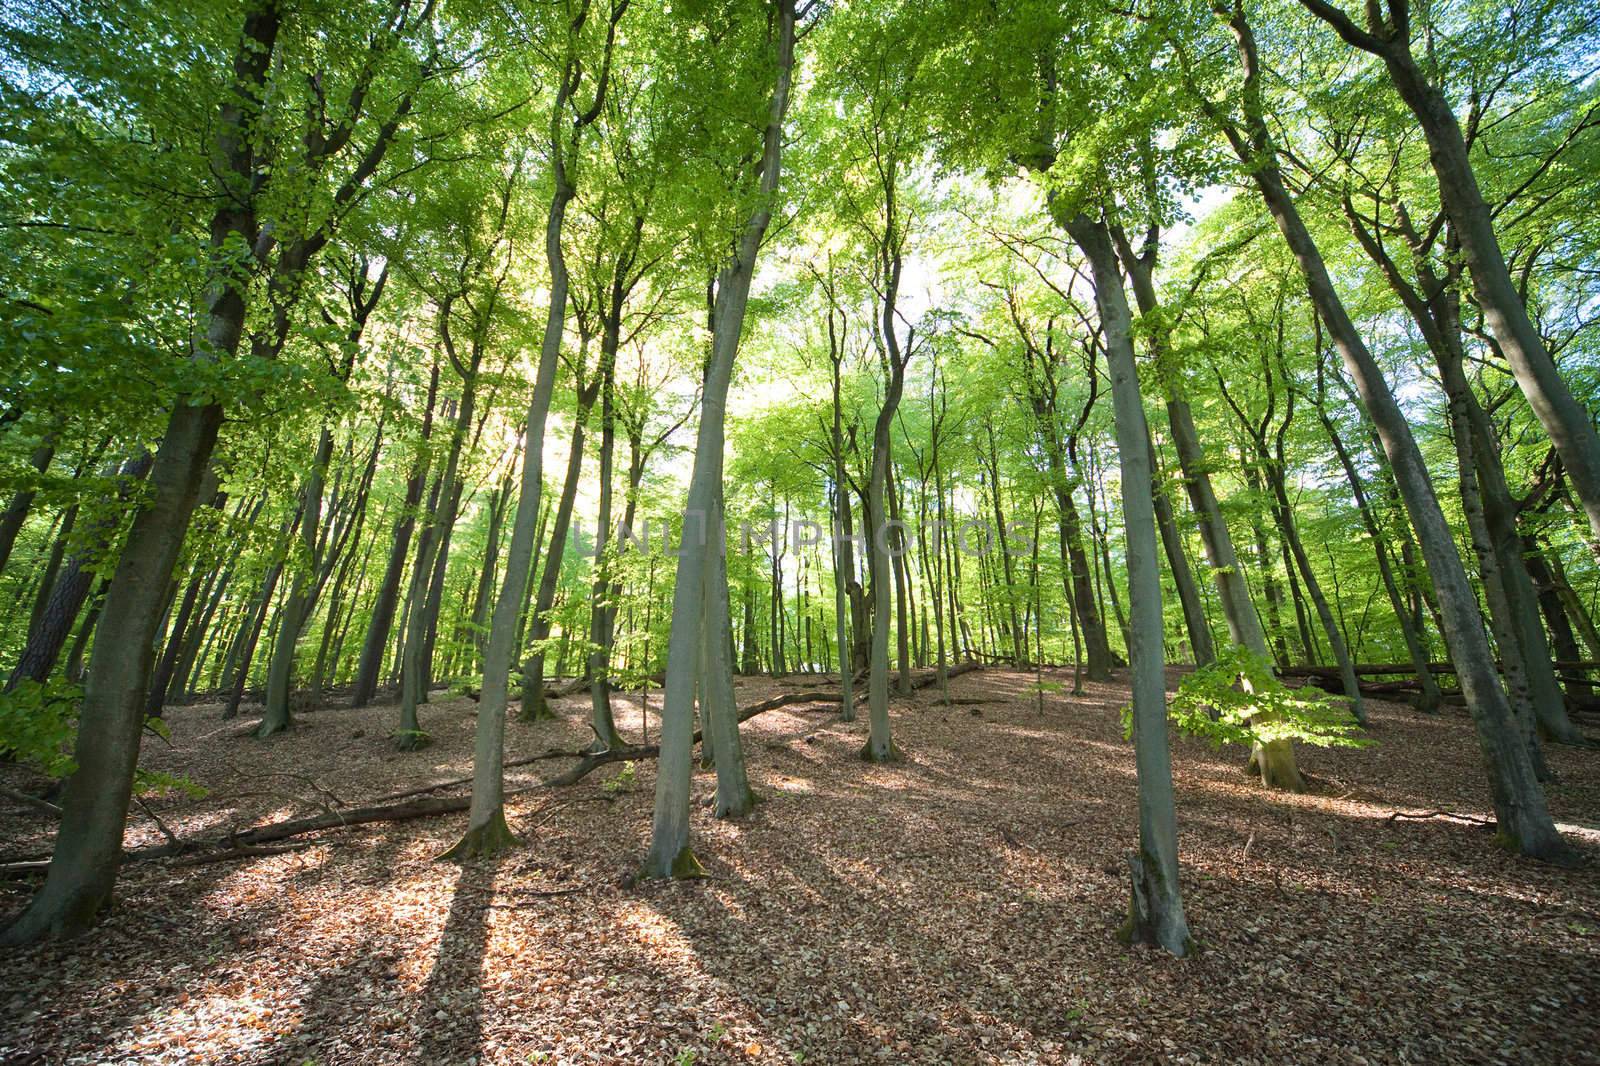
(1241, 349)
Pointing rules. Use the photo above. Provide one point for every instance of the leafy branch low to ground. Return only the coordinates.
(957, 907)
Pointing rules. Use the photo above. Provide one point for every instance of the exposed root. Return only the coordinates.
(893, 755)
(412, 740)
(483, 841)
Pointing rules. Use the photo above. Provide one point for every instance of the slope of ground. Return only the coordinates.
(957, 908)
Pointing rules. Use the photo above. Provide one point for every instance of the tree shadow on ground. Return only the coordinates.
(449, 1008)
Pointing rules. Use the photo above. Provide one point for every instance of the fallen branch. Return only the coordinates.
(172, 838)
(396, 812)
(239, 844)
(243, 851)
(25, 868)
(1397, 815)
(43, 806)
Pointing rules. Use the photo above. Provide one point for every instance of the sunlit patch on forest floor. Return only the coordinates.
(958, 907)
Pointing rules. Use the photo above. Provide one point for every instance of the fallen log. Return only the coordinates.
(1409, 669)
(237, 843)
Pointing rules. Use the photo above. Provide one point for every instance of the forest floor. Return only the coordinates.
(956, 908)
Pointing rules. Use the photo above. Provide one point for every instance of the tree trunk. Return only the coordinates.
(670, 855)
(1566, 420)
(534, 707)
(69, 592)
(601, 720)
(1523, 817)
(275, 716)
(1155, 914)
(16, 512)
(488, 785)
(1194, 614)
(376, 641)
(427, 582)
(717, 705)
(94, 808)
(1428, 698)
(178, 632)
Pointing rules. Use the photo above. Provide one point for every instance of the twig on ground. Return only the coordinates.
(43, 806)
(172, 838)
(1420, 816)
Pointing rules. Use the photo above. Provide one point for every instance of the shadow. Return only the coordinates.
(449, 1008)
(955, 908)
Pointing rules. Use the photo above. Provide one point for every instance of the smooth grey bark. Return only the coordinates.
(1435, 306)
(1155, 913)
(534, 706)
(442, 529)
(1429, 697)
(1522, 815)
(414, 671)
(1100, 535)
(670, 854)
(902, 584)
(1520, 629)
(843, 562)
(491, 559)
(1521, 690)
(601, 720)
(717, 707)
(937, 408)
(1194, 614)
(275, 716)
(487, 831)
(1565, 419)
(1088, 627)
(880, 745)
(1233, 591)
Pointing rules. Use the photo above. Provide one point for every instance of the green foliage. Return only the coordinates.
(412, 739)
(622, 780)
(148, 783)
(37, 724)
(466, 686)
(1237, 699)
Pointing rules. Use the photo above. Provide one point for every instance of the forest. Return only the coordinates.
(778, 531)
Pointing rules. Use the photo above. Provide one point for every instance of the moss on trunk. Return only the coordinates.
(483, 841)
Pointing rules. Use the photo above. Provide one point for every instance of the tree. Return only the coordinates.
(670, 854)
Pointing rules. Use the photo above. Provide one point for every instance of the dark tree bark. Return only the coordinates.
(388, 599)
(1568, 423)
(71, 589)
(16, 512)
